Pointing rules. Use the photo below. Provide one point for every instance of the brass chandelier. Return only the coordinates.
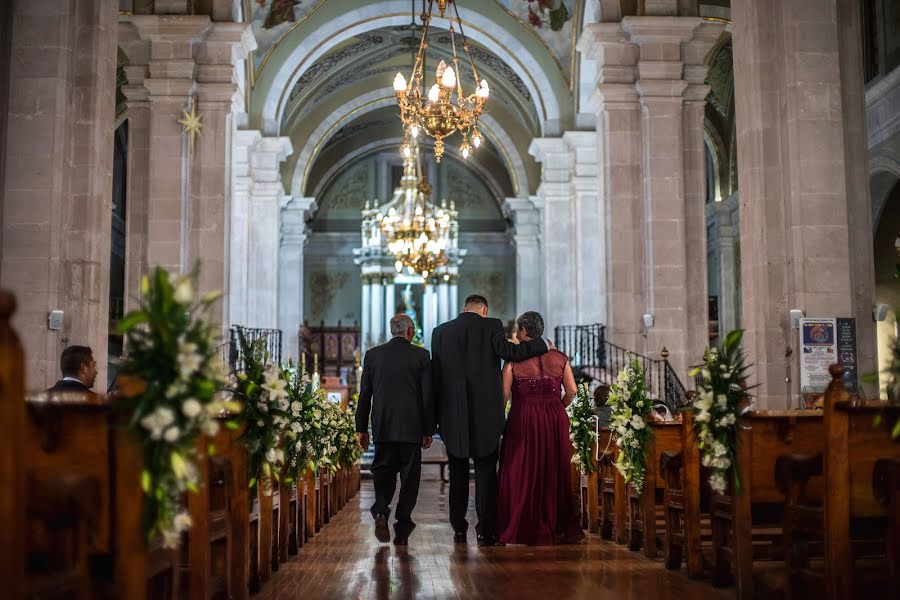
(444, 109)
(416, 230)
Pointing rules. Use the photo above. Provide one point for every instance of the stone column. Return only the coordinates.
(649, 132)
(377, 308)
(454, 297)
(262, 262)
(58, 179)
(529, 272)
(806, 234)
(589, 248)
(365, 332)
(390, 303)
(443, 301)
(239, 232)
(554, 199)
(723, 232)
(294, 234)
(429, 313)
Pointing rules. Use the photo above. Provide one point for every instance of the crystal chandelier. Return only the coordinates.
(444, 109)
(415, 229)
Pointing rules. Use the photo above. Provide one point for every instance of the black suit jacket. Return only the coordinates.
(468, 381)
(64, 385)
(396, 388)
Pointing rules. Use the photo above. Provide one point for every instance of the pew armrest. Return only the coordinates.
(796, 469)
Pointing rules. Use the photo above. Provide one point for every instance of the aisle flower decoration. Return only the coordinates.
(631, 406)
(723, 394)
(170, 385)
(582, 428)
(349, 451)
(300, 446)
(263, 391)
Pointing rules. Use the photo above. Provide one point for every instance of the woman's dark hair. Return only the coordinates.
(532, 322)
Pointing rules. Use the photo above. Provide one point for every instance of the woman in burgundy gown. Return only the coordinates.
(535, 501)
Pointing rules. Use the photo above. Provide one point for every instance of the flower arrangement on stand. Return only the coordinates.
(349, 451)
(631, 406)
(300, 454)
(169, 384)
(266, 414)
(582, 428)
(723, 394)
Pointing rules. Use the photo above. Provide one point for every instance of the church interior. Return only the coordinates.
(211, 210)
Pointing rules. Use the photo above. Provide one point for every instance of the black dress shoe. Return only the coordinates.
(399, 541)
(381, 529)
(459, 537)
(489, 540)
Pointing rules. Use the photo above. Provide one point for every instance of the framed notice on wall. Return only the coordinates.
(824, 342)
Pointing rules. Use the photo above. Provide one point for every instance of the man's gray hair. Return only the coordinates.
(400, 324)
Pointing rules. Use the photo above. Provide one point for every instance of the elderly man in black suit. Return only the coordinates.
(396, 388)
(79, 370)
(469, 395)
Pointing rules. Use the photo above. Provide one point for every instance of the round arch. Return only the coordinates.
(315, 38)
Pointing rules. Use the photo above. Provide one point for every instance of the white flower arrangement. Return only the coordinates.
(630, 406)
(582, 429)
(170, 386)
(723, 391)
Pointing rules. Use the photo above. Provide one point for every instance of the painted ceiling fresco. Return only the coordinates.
(271, 20)
(553, 22)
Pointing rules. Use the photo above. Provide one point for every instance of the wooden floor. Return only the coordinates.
(346, 561)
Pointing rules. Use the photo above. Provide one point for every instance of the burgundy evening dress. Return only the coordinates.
(535, 502)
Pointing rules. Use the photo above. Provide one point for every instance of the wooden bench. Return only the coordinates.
(680, 472)
(747, 526)
(437, 455)
(613, 509)
(847, 520)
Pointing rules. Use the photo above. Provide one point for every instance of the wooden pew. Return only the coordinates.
(748, 525)
(12, 463)
(76, 433)
(853, 520)
(680, 471)
(312, 510)
(644, 508)
(613, 509)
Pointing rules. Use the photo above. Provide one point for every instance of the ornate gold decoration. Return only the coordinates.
(191, 125)
(443, 109)
(417, 232)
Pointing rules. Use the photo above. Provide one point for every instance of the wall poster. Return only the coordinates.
(823, 342)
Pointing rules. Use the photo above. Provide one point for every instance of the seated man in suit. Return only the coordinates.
(396, 388)
(79, 370)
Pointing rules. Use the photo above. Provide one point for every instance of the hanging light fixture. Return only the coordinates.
(443, 109)
(417, 232)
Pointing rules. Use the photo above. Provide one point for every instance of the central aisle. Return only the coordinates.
(346, 561)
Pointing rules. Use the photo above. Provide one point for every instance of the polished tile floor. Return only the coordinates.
(346, 561)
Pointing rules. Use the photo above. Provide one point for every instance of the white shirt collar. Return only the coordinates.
(70, 378)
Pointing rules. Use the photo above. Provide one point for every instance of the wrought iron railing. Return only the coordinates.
(584, 344)
(230, 351)
(595, 357)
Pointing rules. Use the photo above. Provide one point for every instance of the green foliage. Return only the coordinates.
(723, 392)
(582, 428)
(264, 393)
(631, 406)
(169, 385)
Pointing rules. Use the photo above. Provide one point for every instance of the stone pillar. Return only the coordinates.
(557, 227)
(443, 301)
(650, 147)
(58, 179)
(806, 234)
(454, 297)
(529, 272)
(262, 262)
(239, 233)
(589, 253)
(429, 313)
(390, 303)
(377, 308)
(294, 234)
(723, 231)
(365, 332)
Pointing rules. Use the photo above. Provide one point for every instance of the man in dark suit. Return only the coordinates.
(469, 395)
(79, 370)
(396, 388)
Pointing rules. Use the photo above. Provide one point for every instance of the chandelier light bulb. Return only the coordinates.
(483, 90)
(442, 66)
(406, 150)
(424, 273)
(414, 131)
(398, 265)
(399, 82)
(465, 150)
(448, 79)
(434, 93)
(410, 270)
(446, 278)
(476, 139)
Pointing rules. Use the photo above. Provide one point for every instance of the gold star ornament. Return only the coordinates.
(191, 125)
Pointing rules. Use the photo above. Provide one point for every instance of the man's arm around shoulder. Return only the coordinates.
(510, 352)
